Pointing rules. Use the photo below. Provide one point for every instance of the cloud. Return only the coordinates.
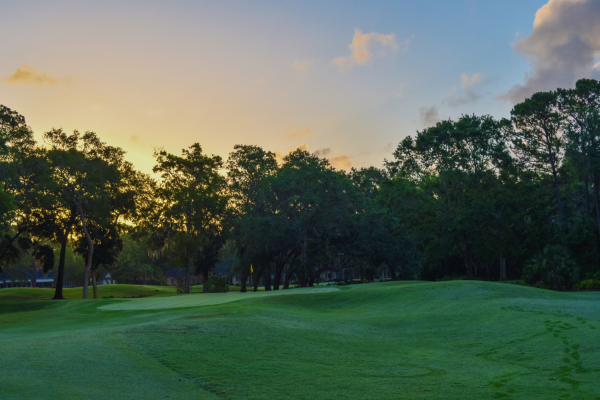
(341, 162)
(561, 47)
(303, 65)
(135, 139)
(262, 80)
(322, 152)
(362, 45)
(280, 156)
(400, 92)
(469, 81)
(294, 131)
(468, 95)
(26, 74)
(429, 115)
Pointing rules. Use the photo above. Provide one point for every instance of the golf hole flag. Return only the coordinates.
(251, 269)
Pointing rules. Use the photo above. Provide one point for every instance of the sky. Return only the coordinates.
(347, 80)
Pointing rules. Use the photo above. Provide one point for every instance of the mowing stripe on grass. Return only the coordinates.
(204, 299)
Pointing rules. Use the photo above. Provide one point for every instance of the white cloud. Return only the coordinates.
(26, 74)
(342, 161)
(364, 43)
(303, 65)
(468, 95)
(562, 47)
(469, 81)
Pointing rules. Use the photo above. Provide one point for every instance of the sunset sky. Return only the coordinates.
(345, 79)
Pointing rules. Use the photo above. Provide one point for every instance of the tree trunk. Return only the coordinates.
(268, 278)
(286, 281)
(557, 188)
(303, 280)
(35, 271)
(587, 198)
(469, 268)
(243, 280)
(88, 267)
(58, 294)
(277, 278)
(61, 269)
(597, 199)
(392, 273)
(187, 280)
(503, 268)
(94, 283)
(257, 278)
(205, 287)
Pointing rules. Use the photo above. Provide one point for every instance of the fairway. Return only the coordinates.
(397, 340)
(204, 299)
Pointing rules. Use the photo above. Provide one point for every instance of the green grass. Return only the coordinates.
(446, 340)
(104, 291)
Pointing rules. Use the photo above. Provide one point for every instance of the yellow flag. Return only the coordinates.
(251, 269)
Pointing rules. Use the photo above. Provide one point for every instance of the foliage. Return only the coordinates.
(553, 268)
(475, 198)
(218, 284)
(588, 284)
(180, 286)
(192, 207)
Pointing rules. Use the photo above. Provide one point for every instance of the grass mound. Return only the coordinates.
(104, 291)
(205, 299)
(447, 340)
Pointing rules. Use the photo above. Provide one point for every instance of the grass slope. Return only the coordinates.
(447, 340)
(104, 291)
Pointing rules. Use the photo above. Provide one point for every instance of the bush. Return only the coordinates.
(218, 284)
(552, 269)
(180, 286)
(588, 284)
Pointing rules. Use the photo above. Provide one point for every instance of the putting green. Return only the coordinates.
(204, 299)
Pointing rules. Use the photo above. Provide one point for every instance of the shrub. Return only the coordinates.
(588, 284)
(180, 286)
(218, 284)
(552, 269)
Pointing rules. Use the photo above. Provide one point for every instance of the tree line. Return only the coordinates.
(476, 197)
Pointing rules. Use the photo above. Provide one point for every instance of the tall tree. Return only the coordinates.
(538, 139)
(458, 165)
(192, 202)
(247, 166)
(25, 187)
(581, 111)
(84, 169)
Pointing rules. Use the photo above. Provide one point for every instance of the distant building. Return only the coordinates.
(106, 279)
(32, 278)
